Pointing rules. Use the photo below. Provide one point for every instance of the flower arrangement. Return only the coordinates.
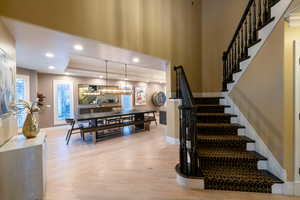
(28, 107)
(31, 125)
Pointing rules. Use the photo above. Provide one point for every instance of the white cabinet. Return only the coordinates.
(23, 168)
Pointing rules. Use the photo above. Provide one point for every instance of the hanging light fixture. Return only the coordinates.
(113, 89)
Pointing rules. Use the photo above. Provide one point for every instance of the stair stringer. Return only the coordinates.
(272, 165)
(277, 11)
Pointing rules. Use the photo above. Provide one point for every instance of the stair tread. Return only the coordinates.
(240, 175)
(229, 153)
(209, 97)
(225, 138)
(266, 23)
(211, 105)
(220, 125)
(216, 114)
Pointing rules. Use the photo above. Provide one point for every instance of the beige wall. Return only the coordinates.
(8, 126)
(291, 34)
(169, 29)
(265, 95)
(32, 79)
(219, 22)
(45, 86)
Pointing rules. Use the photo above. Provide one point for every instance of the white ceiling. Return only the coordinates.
(92, 67)
(33, 42)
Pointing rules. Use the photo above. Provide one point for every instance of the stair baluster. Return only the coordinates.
(259, 14)
(250, 28)
(246, 38)
(254, 31)
(266, 11)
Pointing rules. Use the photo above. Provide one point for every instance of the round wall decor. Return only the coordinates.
(159, 98)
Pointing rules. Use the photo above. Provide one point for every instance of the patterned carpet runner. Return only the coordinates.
(224, 159)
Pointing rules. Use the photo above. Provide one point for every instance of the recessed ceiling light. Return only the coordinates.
(67, 73)
(136, 60)
(49, 55)
(78, 47)
(100, 76)
(51, 67)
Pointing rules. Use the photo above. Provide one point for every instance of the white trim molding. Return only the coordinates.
(55, 83)
(273, 165)
(26, 79)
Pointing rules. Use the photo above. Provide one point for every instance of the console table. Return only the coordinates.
(23, 168)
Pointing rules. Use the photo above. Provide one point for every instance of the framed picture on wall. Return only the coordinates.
(7, 84)
(140, 96)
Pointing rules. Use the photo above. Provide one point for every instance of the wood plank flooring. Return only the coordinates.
(136, 167)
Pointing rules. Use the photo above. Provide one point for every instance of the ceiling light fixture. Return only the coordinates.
(49, 55)
(51, 67)
(112, 89)
(67, 73)
(136, 60)
(78, 47)
(100, 76)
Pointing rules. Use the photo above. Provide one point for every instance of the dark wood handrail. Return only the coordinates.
(183, 89)
(244, 16)
(189, 162)
(256, 15)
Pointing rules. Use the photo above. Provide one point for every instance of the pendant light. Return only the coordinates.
(114, 89)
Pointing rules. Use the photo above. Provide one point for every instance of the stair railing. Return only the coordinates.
(256, 15)
(189, 163)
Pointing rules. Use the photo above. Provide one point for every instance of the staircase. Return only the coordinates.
(224, 160)
(259, 19)
(211, 146)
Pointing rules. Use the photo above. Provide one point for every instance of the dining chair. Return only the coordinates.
(74, 129)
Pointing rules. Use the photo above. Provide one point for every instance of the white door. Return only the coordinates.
(63, 104)
(22, 93)
(297, 108)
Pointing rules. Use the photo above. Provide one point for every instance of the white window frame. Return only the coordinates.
(26, 78)
(123, 86)
(55, 83)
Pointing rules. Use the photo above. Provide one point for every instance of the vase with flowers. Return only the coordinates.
(31, 124)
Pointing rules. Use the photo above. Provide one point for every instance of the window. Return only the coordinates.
(63, 101)
(126, 99)
(22, 92)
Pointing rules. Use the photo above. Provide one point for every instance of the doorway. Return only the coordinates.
(22, 93)
(297, 108)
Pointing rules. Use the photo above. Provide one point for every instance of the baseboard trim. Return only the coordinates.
(273, 165)
(172, 140)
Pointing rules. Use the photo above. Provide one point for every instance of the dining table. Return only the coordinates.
(102, 121)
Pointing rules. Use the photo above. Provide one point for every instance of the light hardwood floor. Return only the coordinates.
(135, 167)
